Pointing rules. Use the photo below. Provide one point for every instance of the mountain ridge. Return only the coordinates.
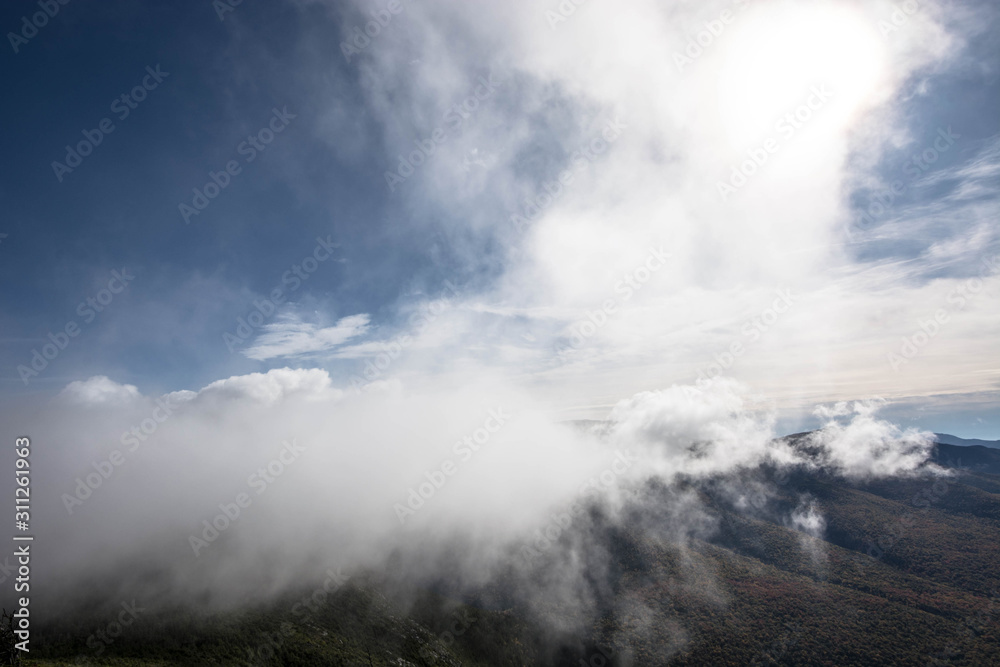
(948, 439)
(796, 566)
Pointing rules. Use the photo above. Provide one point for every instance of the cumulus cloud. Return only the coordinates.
(865, 446)
(268, 388)
(99, 390)
(690, 430)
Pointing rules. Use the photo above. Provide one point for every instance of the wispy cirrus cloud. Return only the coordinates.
(974, 179)
(292, 337)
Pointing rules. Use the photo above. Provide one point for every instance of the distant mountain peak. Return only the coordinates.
(947, 439)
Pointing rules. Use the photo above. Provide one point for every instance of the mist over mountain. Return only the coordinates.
(687, 532)
(540, 332)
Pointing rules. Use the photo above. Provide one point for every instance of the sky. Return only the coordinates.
(582, 202)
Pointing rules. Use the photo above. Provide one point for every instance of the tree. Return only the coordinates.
(8, 653)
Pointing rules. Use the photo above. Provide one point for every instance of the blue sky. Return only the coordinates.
(510, 299)
(120, 207)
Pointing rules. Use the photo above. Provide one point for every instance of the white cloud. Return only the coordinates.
(291, 337)
(700, 431)
(490, 466)
(866, 446)
(99, 390)
(656, 184)
(973, 179)
(269, 388)
(808, 519)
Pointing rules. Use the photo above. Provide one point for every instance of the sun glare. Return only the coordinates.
(775, 56)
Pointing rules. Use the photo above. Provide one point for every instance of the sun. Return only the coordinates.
(775, 54)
